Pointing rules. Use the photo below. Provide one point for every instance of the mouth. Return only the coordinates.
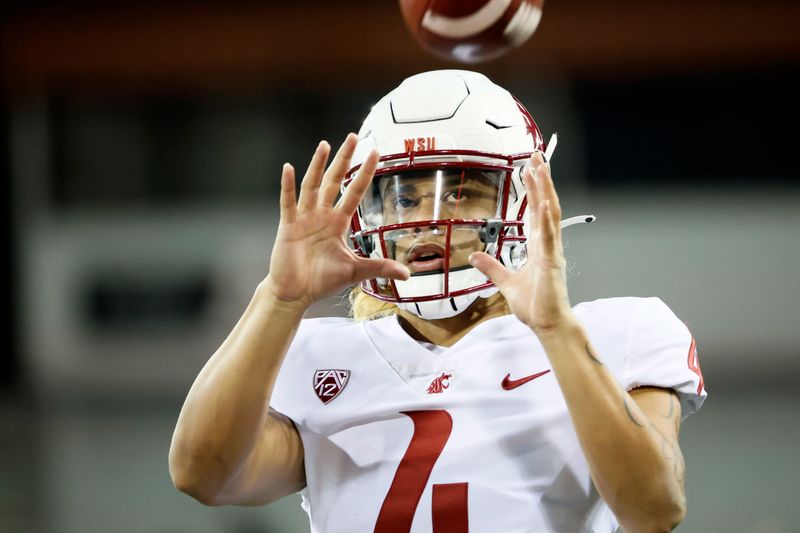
(425, 257)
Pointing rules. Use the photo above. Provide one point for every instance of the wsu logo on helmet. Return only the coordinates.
(419, 144)
(328, 383)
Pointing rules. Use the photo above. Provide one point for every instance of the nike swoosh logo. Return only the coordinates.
(509, 384)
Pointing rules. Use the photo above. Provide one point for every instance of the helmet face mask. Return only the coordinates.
(460, 192)
(457, 194)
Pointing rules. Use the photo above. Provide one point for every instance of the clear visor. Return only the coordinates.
(437, 194)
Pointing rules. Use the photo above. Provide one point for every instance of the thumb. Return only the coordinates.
(380, 268)
(491, 267)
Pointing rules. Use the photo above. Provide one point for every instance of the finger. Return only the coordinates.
(310, 185)
(288, 201)
(547, 231)
(355, 191)
(532, 196)
(332, 179)
(547, 189)
(490, 267)
(380, 268)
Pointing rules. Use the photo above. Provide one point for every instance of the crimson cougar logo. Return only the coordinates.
(328, 383)
(438, 385)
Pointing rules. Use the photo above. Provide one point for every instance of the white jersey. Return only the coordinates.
(476, 437)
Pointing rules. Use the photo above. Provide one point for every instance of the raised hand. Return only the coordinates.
(537, 293)
(310, 259)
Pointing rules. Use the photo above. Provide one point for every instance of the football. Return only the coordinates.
(471, 31)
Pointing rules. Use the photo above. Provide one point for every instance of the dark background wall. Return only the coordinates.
(141, 145)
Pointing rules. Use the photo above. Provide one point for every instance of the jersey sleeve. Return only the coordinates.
(662, 353)
(285, 394)
(293, 394)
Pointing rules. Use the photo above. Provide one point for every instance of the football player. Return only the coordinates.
(467, 394)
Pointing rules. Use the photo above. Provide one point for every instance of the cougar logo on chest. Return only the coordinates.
(438, 385)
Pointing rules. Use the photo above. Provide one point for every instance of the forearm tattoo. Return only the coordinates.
(669, 447)
(670, 413)
(670, 409)
(591, 354)
(625, 399)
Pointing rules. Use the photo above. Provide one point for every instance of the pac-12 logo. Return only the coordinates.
(328, 383)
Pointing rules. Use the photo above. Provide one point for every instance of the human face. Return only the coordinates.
(437, 195)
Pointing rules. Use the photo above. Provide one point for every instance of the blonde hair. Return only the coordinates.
(364, 307)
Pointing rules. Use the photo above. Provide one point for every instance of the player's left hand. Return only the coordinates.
(537, 293)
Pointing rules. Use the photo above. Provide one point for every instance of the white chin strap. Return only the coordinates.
(421, 285)
(446, 307)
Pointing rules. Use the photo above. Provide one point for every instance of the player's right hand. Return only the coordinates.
(310, 259)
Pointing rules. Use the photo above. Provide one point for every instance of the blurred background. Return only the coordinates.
(141, 144)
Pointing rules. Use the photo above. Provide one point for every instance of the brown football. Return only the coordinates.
(471, 31)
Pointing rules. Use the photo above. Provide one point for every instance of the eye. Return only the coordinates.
(403, 202)
(455, 196)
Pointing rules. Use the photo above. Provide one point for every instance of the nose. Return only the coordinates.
(419, 230)
(429, 230)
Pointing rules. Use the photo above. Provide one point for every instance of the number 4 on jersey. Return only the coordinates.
(449, 507)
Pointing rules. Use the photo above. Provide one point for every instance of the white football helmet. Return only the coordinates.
(449, 182)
